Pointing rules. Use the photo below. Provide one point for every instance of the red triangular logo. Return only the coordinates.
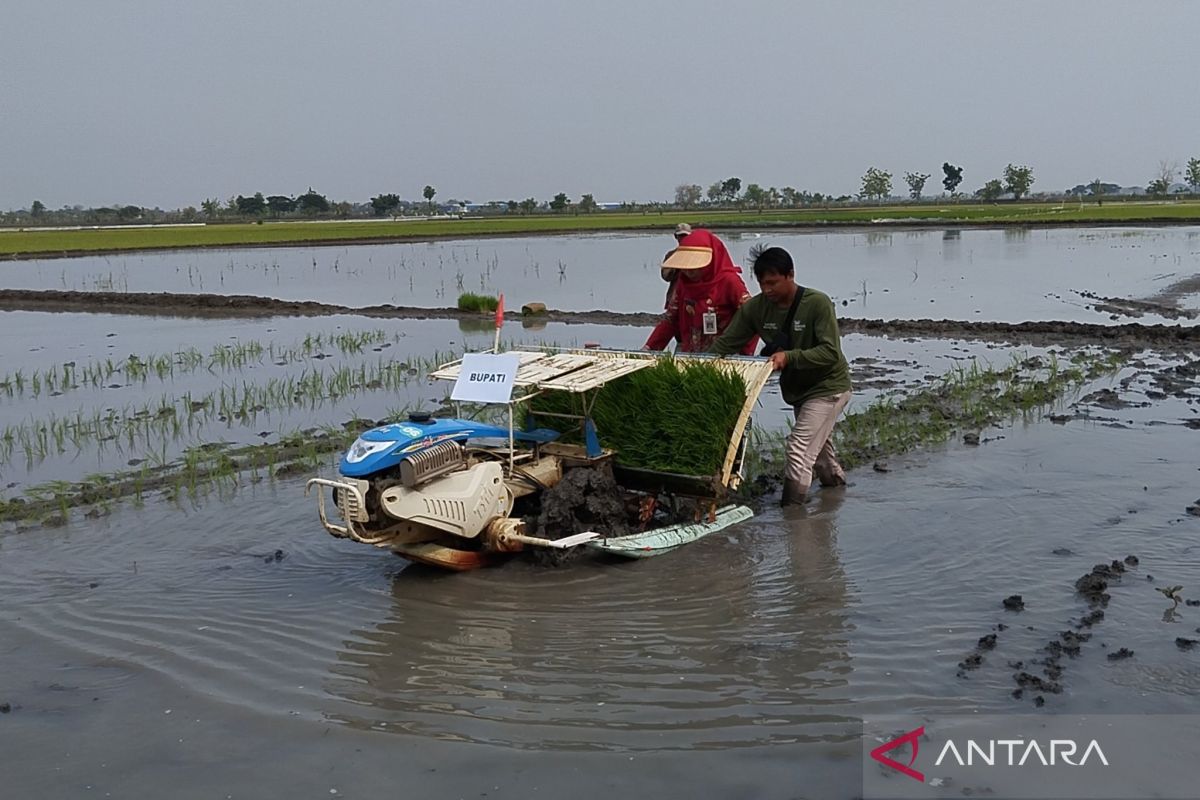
(912, 737)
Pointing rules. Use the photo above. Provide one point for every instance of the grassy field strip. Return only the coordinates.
(22, 243)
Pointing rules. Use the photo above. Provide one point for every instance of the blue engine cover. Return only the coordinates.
(384, 447)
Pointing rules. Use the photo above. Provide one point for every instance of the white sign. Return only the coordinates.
(486, 377)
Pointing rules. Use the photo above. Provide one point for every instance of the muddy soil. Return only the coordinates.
(872, 373)
(1165, 303)
(1117, 307)
(241, 306)
(586, 499)
(591, 499)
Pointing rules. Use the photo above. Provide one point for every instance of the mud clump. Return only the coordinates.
(1070, 642)
(586, 499)
(1014, 603)
(973, 661)
(1092, 587)
(5, 708)
(1032, 682)
(1184, 643)
(291, 470)
(1109, 399)
(1067, 644)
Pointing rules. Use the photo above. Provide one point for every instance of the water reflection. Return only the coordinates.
(477, 324)
(951, 244)
(1016, 235)
(733, 641)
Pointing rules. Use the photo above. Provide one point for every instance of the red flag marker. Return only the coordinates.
(499, 323)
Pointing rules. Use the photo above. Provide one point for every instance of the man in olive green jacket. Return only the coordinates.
(801, 334)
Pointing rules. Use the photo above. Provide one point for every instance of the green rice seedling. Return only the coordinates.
(695, 407)
(469, 301)
(964, 398)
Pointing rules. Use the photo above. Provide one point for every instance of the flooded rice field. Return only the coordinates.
(84, 394)
(1007, 275)
(217, 643)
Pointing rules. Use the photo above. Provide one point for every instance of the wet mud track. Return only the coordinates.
(1167, 302)
(218, 306)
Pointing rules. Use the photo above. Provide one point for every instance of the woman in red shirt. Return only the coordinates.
(708, 291)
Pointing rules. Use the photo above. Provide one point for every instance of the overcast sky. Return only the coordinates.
(167, 103)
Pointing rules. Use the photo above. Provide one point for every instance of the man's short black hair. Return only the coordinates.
(771, 260)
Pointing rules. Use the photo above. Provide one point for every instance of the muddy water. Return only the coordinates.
(239, 651)
(1003, 275)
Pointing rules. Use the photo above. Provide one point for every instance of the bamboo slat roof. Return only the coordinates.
(573, 371)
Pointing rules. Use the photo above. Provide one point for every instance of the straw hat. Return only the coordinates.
(689, 257)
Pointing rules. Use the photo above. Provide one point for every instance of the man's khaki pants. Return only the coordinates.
(809, 446)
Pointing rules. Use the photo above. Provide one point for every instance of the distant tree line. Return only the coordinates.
(876, 186)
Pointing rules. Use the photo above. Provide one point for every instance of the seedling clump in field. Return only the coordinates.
(469, 301)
